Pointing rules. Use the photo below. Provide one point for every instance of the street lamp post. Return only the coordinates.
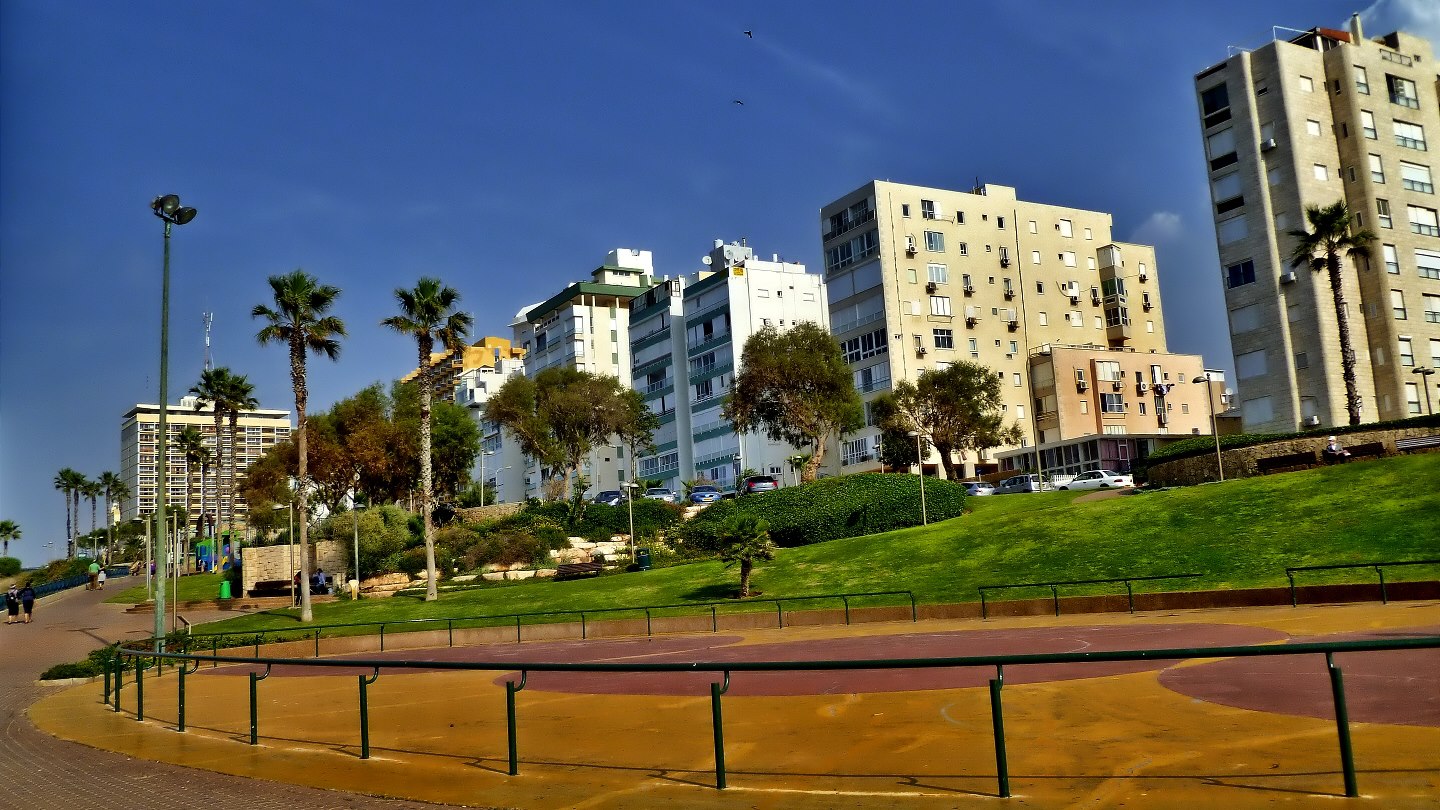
(1425, 383)
(630, 487)
(1204, 379)
(290, 508)
(483, 454)
(920, 470)
(168, 209)
(355, 518)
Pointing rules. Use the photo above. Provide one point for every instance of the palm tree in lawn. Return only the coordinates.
(299, 320)
(212, 392)
(68, 482)
(239, 397)
(115, 490)
(745, 538)
(427, 313)
(9, 530)
(1333, 236)
(191, 442)
(92, 492)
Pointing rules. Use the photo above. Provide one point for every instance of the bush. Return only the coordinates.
(9, 566)
(384, 533)
(831, 509)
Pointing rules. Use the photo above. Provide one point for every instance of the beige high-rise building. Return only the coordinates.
(920, 278)
(258, 431)
(1323, 117)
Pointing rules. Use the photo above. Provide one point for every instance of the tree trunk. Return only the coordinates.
(947, 460)
(234, 428)
(109, 533)
(188, 489)
(297, 379)
(811, 470)
(65, 493)
(1347, 349)
(219, 470)
(432, 592)
(74, 547)
(746, 566)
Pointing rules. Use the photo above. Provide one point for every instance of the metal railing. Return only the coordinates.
(185, 664)
(1378, 566)
(257, 637)
(57, 585)
(1055, 588)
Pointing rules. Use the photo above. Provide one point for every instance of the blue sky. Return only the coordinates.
(507, 147)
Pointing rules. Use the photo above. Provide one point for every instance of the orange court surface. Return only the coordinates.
(1235, 733)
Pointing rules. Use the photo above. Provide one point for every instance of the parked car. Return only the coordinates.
(705, 494)
(1099, 479)
(609, 497)
(978, 487)
(661, 494)
(1029, 482)
(758, 483)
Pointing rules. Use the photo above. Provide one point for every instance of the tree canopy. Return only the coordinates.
(796, 387)
(955, 409)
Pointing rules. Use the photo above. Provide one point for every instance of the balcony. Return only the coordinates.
(868, 216)
(1119, 333)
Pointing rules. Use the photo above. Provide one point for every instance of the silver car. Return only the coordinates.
(1029, 482)
(660, 494)
(1099, 479)
(978, 487)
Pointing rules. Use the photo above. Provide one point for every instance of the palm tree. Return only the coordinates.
(745, 538)
(68, 482)
(212, 392)
(115, 490)
(192, 443)
(298, 319)
(239, 397)
(9, 530)
(92, 492)
(427, 313)
(1321, 248)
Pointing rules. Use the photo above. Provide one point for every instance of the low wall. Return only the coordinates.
(1240, 462)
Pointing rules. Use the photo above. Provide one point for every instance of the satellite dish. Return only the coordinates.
(705, 261)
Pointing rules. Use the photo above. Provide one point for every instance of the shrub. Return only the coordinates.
(9, 566)
(830, 509)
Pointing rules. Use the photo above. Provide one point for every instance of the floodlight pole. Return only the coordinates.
(920, 470)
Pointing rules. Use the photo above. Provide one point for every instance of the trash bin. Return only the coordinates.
(224, 589)
(642, 559)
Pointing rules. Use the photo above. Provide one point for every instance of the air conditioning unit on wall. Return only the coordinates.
(1312, 421)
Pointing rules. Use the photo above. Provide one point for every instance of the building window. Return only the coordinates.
(1367, 124)
(1016, 379)
(1221, 147)
(939, 305)
(1397, 304)
(1392, 259)
(935, 241)
(867, 345)
(963, 248)
(905, 210)
(1412, 398)
(1312, 127)
(1427, 264)
(1000, 223)
(1407, 352)
(1068, 258)
(1233, 229)
(939, 273)
(1034, 257)
(1321, 172)
(1112, 403)
(1039, 288)
(927, 209)
(1033, 228)
(1307, 84)
(1402, 92)
(1415, 177)
(1377, 169)
(1362, 82)
(1117, 316)
(1215, 105)
(1432, 308)
(1382, 212)
(1251, 364)
(1043, 319)
(1240, 274)
(1423, 221)
(1089, 234)
(974, 348)
(1066, 229)
(1302, 360)
(1410, 136)
(944, 338)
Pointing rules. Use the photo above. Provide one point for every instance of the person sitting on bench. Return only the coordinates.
(1334, 452)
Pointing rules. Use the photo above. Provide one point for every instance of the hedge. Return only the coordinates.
(831, 509)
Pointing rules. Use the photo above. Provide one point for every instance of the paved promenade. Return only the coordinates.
(40, 772)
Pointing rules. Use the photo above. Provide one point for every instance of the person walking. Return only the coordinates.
(94, 575)
(12, 605)
(100, 578)
(27, 601)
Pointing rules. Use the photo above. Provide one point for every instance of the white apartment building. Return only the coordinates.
(1326, 116)
(258, 431)
(500, 465)
(584, 326)
(919, 278)
(687, 335)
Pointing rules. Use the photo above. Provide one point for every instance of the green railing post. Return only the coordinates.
(647, 623)
(105, 698)
(1055, 594)
(1384, 599)
(717, 721)
(582, 625)
(317, 641)
(254, 712)
(914, 612)
(510, 689)
(119, 678)
(139, 688)
(1130, 595)
(845, 600)
(983, 614)
(517, 628)
(382, 638)
(779, 616)
(182, 670)
(214, 651)
(450, 630)
(714, 621)
(1290, 575)
(997, 721)
(1342, 725)
(365, 712)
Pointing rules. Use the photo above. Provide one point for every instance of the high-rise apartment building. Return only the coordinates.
(686, 338)
(586, 326)
(920, 278)
(501, 464)
(257, 432)
(1323, 117)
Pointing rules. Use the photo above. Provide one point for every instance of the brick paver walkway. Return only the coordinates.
(39, 772)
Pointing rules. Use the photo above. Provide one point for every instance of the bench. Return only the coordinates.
(578, 570)
(1417, 443)
(1286, 463)
(1368, 450)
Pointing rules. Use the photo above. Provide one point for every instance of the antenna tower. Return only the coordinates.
(209, 319)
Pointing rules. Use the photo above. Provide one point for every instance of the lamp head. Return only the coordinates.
(184, 215)
(165, 205)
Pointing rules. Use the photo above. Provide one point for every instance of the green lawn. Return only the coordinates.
(192, 588)
(1237, 534)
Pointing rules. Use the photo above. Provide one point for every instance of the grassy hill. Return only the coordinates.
(1237, 534)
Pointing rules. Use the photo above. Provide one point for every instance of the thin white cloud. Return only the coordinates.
(1161, 226)
(864, 95)
(1418, 17)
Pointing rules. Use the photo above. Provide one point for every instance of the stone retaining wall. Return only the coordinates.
(1240, 462)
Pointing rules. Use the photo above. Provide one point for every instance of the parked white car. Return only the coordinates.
(1099, 479)
(1027, 482)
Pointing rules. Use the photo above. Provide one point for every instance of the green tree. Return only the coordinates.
(191, 442)
(228, 395)
(428, 314)
(115, 490)
(300, 320)
(9, 530)
(955, 409)
(454, 441)
(92, 492)
(68, 482)
(744, 539)
(211, 392)
(1333, 235)
(561, 414)
(239, 398)
(797, 388)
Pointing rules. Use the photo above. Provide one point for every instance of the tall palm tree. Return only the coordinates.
(427, 313)
(68, 481)
(1332, 236)
(92, 492)
(299, 320)
(212, 391)
(191, 442)
(9, 530)
(115, 490)
(239, 397)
